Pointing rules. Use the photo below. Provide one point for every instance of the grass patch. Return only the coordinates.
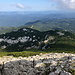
(33, 52)
(17, 54)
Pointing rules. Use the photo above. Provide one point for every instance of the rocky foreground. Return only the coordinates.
(43, 64)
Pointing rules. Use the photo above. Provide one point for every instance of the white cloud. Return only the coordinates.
(20, 6)
(65, 4)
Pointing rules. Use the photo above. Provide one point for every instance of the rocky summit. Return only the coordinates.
(43, 64)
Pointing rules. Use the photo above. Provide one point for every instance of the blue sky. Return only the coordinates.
(36, 5)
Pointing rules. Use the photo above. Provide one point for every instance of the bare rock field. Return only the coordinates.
(43, 64)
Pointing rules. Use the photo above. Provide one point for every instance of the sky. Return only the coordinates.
(36, 5)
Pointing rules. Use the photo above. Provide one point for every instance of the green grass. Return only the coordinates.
(32, 52)
(23, 53)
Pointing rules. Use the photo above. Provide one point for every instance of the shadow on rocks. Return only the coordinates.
(51, 66)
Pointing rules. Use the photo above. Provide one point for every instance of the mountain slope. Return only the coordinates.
(47, 24)
(27, 38)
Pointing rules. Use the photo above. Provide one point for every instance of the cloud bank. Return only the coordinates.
(65, 4)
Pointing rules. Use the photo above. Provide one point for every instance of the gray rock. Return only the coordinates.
(23, 73)
(58, 71)
(52, 73)
(31, 71)
(65, 73)
(52, 68)
(10, 72)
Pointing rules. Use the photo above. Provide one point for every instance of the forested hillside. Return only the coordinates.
(27, 38)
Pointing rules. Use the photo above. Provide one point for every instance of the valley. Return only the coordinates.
(37, 32)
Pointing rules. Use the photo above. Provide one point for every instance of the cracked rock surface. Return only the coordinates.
(43, 64)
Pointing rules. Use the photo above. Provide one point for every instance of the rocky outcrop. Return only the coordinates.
(43, 64)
